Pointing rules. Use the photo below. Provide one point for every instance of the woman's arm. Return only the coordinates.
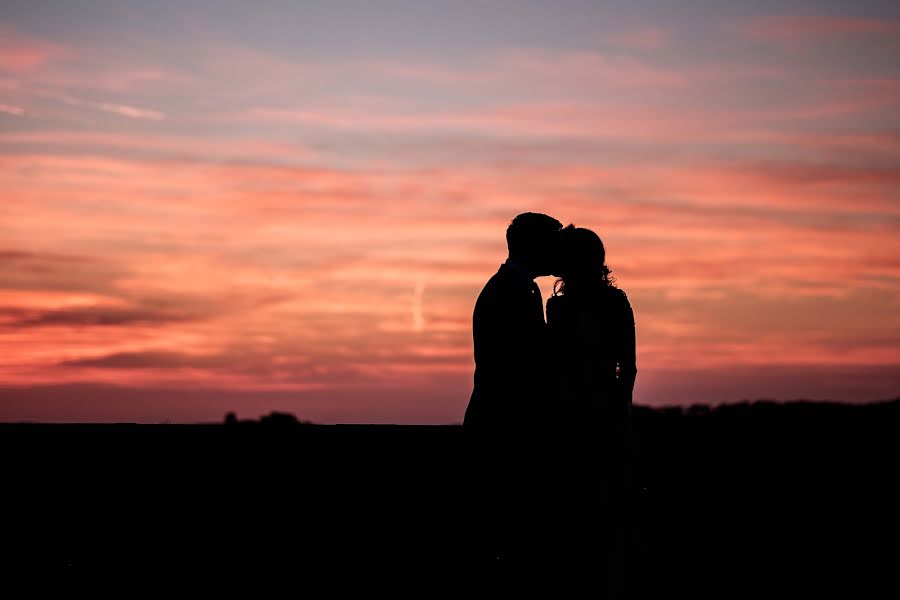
(627, 355)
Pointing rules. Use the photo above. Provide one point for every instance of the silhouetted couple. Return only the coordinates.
(549, 416)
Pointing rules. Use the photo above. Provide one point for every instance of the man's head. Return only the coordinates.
(532, 239)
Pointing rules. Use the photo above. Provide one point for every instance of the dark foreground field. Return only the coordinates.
(771, 500)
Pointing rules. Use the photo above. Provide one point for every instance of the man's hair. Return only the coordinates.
(529, 230)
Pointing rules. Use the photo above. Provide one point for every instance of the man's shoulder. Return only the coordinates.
(503, 279)
(502, 291)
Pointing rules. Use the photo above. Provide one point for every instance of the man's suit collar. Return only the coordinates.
(515, 268)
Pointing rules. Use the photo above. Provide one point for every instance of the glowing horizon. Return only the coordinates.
(295, 207)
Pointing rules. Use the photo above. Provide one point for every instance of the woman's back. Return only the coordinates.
(592, 340)
(591, 332)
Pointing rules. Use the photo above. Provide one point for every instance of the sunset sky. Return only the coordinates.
(233, 206)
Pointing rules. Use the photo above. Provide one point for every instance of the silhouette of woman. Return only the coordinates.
(592, 335)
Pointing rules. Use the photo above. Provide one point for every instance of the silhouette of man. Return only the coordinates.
(509, 331)
(512, 376)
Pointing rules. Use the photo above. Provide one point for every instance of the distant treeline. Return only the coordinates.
(765, 408)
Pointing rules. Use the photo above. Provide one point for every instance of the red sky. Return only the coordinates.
(295, 208)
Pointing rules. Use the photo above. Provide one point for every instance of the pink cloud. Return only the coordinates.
(111, 107)
(645, 38)
(493, 70)
(130, 111)
(585, 68)
(21, 53)
(320, 295)
(9, 109)
(812, 28)
(605, 118)
(164, 145)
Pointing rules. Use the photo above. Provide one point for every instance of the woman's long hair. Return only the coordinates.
(582, 260)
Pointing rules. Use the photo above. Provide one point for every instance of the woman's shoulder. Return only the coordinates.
(558, 307)
(620, 304)
(562, 302)
(556, 299)
(617, 299)
(609, 295)
(618, 293)
(555, 302)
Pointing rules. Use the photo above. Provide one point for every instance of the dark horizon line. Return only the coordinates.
(283, 418)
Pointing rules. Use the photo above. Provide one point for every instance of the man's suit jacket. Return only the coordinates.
(511, 370)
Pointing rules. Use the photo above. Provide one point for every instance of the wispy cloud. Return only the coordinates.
(9, 109)
(141, 360)
(645, 38)
(795, 28)
(161, 145)
(20, 53)
(130, 111)
(119, 109)
(418, 313)
(769, 243)
(89, 316)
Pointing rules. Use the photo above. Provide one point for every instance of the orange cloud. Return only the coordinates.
(269, 258)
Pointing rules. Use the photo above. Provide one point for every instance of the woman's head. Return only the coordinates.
(580, 260)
